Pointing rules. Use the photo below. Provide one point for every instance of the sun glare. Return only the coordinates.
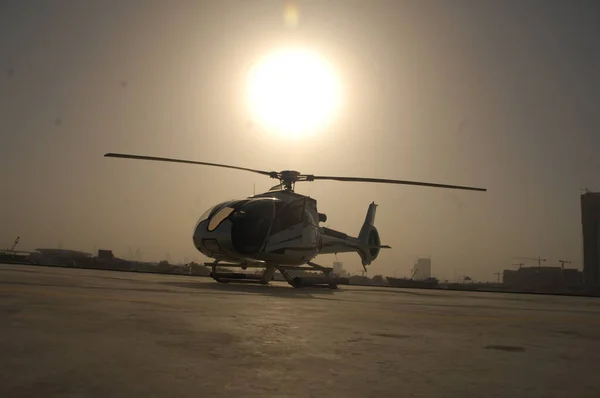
(293, 92)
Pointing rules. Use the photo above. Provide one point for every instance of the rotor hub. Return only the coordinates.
(289, 175)
(288, 178)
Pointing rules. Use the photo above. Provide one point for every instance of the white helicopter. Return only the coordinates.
(279, 230)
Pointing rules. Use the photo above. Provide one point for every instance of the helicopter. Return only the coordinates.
(279, 230)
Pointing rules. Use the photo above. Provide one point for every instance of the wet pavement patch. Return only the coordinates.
(508, 348)
(392, 335)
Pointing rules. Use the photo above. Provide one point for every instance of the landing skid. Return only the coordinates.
(328, 280)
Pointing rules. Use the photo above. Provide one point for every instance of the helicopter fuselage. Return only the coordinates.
(278, 227)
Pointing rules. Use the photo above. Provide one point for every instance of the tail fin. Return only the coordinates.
(368, 237)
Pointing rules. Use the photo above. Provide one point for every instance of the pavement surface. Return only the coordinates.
(89, 333)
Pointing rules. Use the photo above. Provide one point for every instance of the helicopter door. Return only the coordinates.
(250, 226)
(288, 222)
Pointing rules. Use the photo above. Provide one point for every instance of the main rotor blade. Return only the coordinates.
(140, 157)
(386, 181)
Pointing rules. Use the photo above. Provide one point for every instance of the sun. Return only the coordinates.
(293, 92)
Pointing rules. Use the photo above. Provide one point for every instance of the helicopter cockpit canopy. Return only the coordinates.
(252, 221)
(211, 210)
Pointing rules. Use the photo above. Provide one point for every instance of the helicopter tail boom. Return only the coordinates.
(367, 244)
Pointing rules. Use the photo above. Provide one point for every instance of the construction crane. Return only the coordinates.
(538, 259)
(14, 245)
(519, 265)
(498, 275)
(562, 263)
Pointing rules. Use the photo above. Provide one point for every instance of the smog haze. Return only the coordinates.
(503, 95)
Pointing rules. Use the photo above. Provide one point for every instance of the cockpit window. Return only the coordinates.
(251, 226)
(219, 217)
(211, 210)
(288, 215)
(205, 215)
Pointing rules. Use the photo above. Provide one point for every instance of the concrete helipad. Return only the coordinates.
(88, 333)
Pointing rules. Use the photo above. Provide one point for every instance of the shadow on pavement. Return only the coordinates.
(388, 290)
(270, 290)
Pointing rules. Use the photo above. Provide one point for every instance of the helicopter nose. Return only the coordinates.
(212, 243)
(198, 236)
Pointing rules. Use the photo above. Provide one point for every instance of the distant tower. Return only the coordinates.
(590, 223)
(422, 269)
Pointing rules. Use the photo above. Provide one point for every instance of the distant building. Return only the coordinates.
(590, 223)
(338, 269)
(548, 279)
(58, 256)
(422, 269)
(105, 254)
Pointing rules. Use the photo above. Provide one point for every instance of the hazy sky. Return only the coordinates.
(499, 94)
